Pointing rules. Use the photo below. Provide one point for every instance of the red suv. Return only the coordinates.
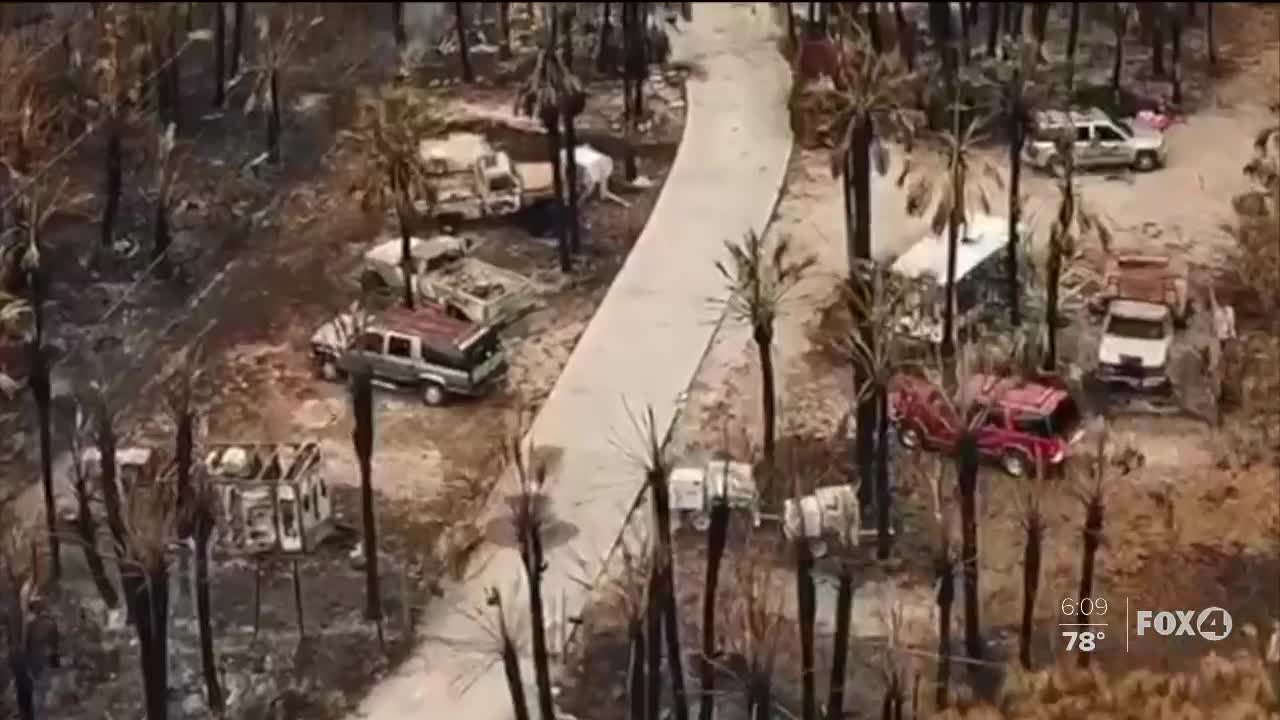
(1021, 421)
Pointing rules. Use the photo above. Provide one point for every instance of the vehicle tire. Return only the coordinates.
(1014, 463)
(1145, 161)
(909, 437)
(433, 394)
(701, 521)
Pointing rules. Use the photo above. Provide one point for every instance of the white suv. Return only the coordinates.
(1101, 141)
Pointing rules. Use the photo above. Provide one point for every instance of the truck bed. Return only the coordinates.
(483, 290)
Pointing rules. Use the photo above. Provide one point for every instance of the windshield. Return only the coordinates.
(501, 183)
(1135, 329)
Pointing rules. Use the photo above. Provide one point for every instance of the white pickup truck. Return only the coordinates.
(1137, 337)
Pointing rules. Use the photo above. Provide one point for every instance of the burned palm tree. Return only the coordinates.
(389, 125)
(1120, 27)
(144, 567)
(806, 609)
(1176, 20)
(758, 628)
(115, 96)
(663, 590)
(759, 278)
(19, 587)
(1072, 221)
(167, 169)
(464, 50)
(944, 562)
(197, 511)
(37, 206)
(1017, 74)
(717, 539)
(553, 93)
(86, 527)
(278, 39)
(510, 658)
(872, 95)
(1033, 528)
(1124, 459)
(362, 440)
(529, 516)
(219, 54)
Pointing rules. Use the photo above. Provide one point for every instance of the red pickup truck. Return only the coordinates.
(1019, 422)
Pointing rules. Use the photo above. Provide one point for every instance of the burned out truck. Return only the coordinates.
(446, 276)
(470, 179)
(273, 495)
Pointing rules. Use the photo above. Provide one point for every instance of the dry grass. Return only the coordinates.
(1237, 688)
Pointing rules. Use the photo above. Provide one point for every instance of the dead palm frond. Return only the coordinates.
(966, 186)
(390, 123)
(869, 87)
(551, 90)
(760, 278)
(876, 345)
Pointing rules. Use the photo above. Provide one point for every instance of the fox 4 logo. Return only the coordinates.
(1212, 623)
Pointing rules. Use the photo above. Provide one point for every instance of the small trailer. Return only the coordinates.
(828, 516)
(694, 490)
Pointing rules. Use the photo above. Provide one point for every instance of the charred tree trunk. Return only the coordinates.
(297, 603)
(1039, 27)
(464, 53)
(873, 27)
(630, 57)
(717, 537)
(906, 37)
(219, 55)
(763, 336)
(1208, 35)
(534, 565)
(1031, 554)
(840, 648)
(552, 126)
(884, 498)
(511, 663)
(946, 598)
(152, 612)
(161, 237)
(1175, 31)
(967, 476)
(1120, 22)
(115, 182)
(106, 442)
(273, 118)
(1157, 39)
(661, 496)
(636, 681)
(397, 23)
(571, 179)
(202, 531)
(173, 67)
(604, 47)
(42, 394)
(403, 207)
(504, 31)
(1017, 11)
(792, 40)
(1073, 37)
(362, 439)
(860, 252)
(653, 646)
(20, 667)
(964, 33)
(761, 695)
(1092, 541)
(87, 529)
(567, 17)
(1017, 138)
(993, 27)
(807, 607)
(237, 38)
(1065, 214)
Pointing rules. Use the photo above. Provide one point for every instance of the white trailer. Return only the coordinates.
(694, 490)
(830, 515)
